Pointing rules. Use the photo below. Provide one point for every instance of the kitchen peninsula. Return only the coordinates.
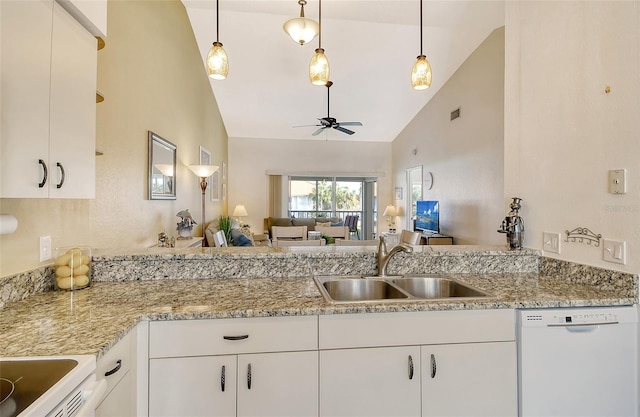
(153, 290)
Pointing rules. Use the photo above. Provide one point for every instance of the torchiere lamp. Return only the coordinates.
(204, 172)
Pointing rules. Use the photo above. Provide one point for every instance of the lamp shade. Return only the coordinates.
(319, 68)
(217, 62)
(240, 211)
(301, 29)
(203, 171)
(390, 211)
(421, 74)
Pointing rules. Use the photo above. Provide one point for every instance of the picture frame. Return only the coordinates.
(214, 183)
(205, 156)
(398, 193)
(224, 191)
(224, 171)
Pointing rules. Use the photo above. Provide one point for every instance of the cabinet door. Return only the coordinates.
(193, 386)
(471, 379)
(278, 384)
(119, 402)
(25, 36)
(370, 382)
(72, 140)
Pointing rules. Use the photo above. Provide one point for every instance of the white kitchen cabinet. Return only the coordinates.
(370, 382)
(92, 14)
(279, 379)
(363, 363)
(266, 384)
(469, 379)
(49, 69)
(117, 367)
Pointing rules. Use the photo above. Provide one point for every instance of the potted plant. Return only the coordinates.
(225, 223)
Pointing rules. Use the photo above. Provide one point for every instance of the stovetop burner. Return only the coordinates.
(23, 381)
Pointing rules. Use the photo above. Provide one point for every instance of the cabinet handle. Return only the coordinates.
(241, 337)
(410, 367)
(249, 376)
(59, 165)
(45, 172)
(114, 370)
(433, 366)
(222, 379)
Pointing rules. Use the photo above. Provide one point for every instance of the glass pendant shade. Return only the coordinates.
(319, 68)
(421, 74)
(217, 62)
(301, 29)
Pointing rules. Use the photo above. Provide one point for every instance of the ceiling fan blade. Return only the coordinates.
(350, 123)
(306, 125)
(342, 129)
(317, 132)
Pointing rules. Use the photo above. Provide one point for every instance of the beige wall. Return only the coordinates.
(251, 159)
(152, 78)
(465, 155)
(563, 132)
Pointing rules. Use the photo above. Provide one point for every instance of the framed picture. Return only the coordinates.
(205, 156)
(224, 191)
(214, 184)
(398, 193)
(224, 171)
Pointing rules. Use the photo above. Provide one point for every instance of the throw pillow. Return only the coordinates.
(341, 223)
(239, 239)
(323, 224)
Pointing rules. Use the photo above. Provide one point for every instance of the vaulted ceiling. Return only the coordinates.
(371, 46)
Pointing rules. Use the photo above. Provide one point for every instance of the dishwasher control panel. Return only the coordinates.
(577, 316)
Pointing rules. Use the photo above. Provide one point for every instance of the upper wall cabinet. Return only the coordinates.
(48, 91)
(92, 14)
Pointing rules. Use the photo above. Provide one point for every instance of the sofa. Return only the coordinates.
(309, 222)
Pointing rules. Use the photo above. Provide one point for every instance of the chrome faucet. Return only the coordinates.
(384, 257)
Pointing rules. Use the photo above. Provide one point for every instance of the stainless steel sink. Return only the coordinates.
(436, 287)
(350, 289)
(359, 289)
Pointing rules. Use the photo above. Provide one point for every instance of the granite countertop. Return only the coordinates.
(90, 321)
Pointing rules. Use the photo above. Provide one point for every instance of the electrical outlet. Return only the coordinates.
(551, 242)
(45, 248)
(615, 251)
(618, 181)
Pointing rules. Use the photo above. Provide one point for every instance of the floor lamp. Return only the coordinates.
(204, 172)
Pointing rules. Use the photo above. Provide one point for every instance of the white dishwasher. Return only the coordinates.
(578, 362)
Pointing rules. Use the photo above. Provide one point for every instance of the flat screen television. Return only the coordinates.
(428, 216)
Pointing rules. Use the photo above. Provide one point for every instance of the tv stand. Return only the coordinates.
(431, 238)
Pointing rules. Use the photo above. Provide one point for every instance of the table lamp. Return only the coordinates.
(239, 212)
(390, 213)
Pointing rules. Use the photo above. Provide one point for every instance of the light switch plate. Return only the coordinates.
(618, 181)
(615, 251)
(45, 248)
(551, 242)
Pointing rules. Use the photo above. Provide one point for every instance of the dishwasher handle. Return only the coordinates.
(602, 323)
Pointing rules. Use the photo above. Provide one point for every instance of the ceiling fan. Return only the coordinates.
(330, 122)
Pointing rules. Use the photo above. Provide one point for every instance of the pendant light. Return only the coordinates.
(319, 66)
(421, 73)
(217, 62)
(301, 29)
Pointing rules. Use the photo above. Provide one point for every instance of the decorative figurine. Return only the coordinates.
(185, 225)
(513, 225)
(162, 239)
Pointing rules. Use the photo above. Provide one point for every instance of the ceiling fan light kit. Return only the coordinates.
(301, 29)
(217, 61)
(421, 72)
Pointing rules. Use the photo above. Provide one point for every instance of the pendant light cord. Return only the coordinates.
(218, 21)
(319, 24)
(420, 27)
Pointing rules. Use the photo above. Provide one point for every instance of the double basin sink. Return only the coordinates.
(350, 289)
